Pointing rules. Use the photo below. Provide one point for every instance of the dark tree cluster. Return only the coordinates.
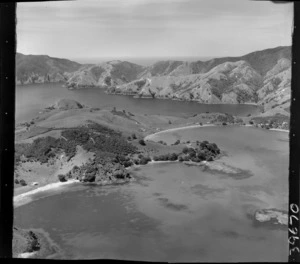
(166, 157)
(121, 113)
(42, 149)
(93, 172)
(218, 87)
(204, 151)
(140, 83)
(142, 142)
(243, 96)
(177, 142)
(226, 118)
(123, 160)
(277, 121)
(162, 142)
(144, 160)
(94, 138)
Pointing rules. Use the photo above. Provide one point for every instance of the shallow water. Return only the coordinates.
(174, 212)
(31, 99)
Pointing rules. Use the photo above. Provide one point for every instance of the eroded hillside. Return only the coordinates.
(261, 77)
(42, 68)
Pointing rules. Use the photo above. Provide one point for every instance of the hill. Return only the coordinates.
(261, 77)
(261, 61)
(230, 82)
(66, 104)
(42, 68)
(105, 74)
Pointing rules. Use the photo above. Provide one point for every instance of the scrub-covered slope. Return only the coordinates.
(261, 77)
(42, 68)
(104, 75)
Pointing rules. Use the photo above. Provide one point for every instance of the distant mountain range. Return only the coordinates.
(261, 77)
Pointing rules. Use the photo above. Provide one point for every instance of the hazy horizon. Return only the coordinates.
(85, 30)
(144, 61)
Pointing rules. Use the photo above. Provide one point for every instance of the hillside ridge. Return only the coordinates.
(260, 77)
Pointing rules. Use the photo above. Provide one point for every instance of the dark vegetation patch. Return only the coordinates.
(275, 82)
(159, 68)
(218, 87)
(244, 96)
(108, 81)
(24, 241)
(126, 71)
(203, 151)
(96, 72)
(34, 131)
(140, 83)
(224, 118)
(93, 137)
(122, 114)
(142, 142)
(288, 100)
(277, 121)
(113, 152)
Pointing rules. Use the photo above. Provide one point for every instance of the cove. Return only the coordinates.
(174, 212)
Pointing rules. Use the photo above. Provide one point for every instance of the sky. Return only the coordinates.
(92, 29)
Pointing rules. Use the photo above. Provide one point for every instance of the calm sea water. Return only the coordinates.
(175, 212)
(31, 99)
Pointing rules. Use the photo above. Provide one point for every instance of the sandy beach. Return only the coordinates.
(280, 130)
(161, 161)
(149, 137)
(27, 255)
(25, 197)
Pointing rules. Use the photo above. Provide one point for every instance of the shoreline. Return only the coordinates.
(161, 161)
(280, 130)
(273, 129)
(20, 199)
(148, 137)
(24, 198)
(137, 96)
(175, 129)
